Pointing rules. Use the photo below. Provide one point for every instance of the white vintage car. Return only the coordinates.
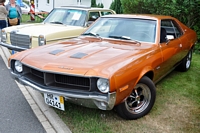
(61, 23)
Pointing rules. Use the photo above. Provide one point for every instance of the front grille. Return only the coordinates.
(54, 80)
(63, 79)
(20, 40)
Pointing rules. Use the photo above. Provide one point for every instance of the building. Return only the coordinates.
(48, 5)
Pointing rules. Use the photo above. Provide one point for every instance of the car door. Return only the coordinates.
(184, 47)
(170, 48)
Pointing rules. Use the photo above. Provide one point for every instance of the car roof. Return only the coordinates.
(142, 16)
(82, 7)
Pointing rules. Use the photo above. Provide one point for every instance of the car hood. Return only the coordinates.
(41, 29)
(83, 56)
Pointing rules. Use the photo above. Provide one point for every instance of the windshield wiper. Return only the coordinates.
(124, 38)
(91, 34)
(121, 37)
(56, 22)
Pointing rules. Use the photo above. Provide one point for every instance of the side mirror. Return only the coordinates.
(89, 23)
(170, 37)
(94, 17)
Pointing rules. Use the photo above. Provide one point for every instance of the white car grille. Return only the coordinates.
(20, 40)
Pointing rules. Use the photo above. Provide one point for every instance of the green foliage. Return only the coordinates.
(100, 5)
(133, 6)
(93, 3)
(187, 11)
(27, 2)
(26, 19)
(116, 5)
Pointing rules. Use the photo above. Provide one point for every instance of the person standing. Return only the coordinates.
(3, 15)
(14, 11)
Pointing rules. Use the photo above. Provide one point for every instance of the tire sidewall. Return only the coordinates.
(122, 109)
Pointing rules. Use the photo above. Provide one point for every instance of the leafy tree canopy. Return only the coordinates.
(116, 6)
(187, 11)
(93, 3)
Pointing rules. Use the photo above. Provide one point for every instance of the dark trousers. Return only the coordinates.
(3, 24)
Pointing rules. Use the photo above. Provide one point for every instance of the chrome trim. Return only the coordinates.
(46, 71)
(11, 47)
(88, 100)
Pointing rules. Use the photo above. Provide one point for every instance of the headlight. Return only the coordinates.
(41, 40)
(103, 85)
(3, 36)
(18, 66)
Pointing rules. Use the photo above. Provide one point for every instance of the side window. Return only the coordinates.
(105, 13)
(177, 30)
(171, 28)
(93, 16)
(166, 29)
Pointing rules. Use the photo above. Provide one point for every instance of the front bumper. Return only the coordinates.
(91, 100)
(12, 47)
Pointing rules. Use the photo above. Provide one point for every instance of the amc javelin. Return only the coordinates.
(114, 63)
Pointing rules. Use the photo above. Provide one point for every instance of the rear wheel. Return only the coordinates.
(186, 62)
(140, 101)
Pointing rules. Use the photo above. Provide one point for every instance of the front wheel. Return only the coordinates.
(140, 101)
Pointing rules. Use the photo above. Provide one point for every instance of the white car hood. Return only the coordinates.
(42, 29)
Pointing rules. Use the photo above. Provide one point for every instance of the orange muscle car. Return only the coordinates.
(114, 63)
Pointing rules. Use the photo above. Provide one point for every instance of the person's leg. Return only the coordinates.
(1, 24)
(4, 24)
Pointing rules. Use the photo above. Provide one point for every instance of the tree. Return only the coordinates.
(187, 11)
(116, 6)
(100, 5)
(133, 6)
(93, 3)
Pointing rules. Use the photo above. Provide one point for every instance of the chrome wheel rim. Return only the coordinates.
(139, 99)
(188, 62)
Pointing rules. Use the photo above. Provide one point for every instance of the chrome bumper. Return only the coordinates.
(103, 102)
(11, 47)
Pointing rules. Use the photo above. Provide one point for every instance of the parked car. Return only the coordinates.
(62, 23)
(114, 63)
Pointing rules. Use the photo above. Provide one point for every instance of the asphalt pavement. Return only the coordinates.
(22, 109)
(16, 115)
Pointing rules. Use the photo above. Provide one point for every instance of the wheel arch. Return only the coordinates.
(147, 71)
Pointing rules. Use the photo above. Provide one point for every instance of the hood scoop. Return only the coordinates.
(55, 52)
(78, 55)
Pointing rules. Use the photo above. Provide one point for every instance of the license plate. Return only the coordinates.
(54, 101)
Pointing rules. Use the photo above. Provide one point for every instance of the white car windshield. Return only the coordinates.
(71, 17)
(142, 30)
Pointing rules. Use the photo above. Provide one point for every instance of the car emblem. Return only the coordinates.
(63, 67)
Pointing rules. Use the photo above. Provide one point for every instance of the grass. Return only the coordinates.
(27, 19)
(177, 109)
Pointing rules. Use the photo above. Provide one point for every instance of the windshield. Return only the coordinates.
(71, 17)
(142, 30)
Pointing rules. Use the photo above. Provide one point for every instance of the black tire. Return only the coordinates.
(140, 102)
(185, 63)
